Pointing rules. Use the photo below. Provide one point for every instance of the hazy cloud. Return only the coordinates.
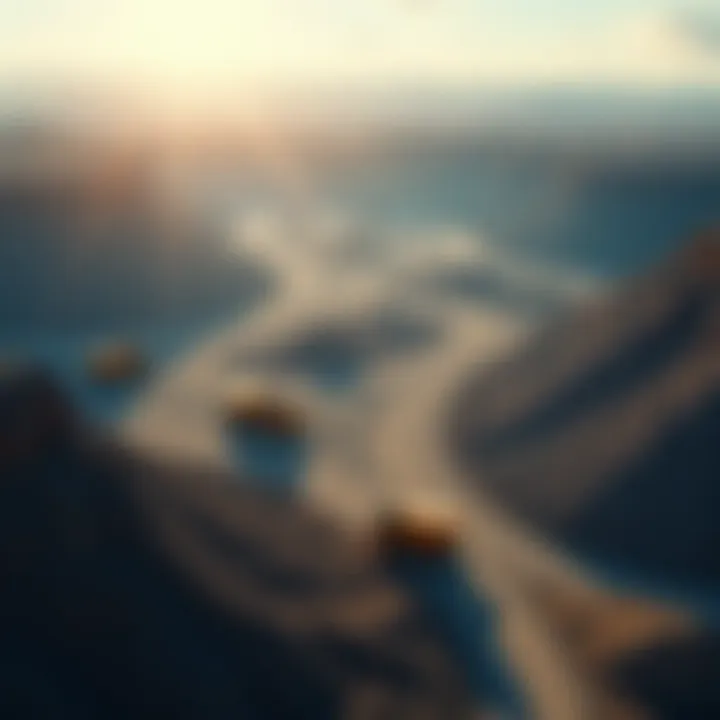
(701, 29)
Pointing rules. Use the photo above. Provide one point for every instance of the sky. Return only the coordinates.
(186, 45)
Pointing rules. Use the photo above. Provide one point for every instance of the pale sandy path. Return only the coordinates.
(501, 557)
(398, 439)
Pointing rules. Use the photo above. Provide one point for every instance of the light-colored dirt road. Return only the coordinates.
(383, 449)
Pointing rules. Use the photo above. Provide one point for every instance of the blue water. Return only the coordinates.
(61, 292)
(592, 213)
(64, 292)
(106, 404)
(470, 625)
(277, 463)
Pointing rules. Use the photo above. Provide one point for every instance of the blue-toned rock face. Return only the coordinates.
(35, 417)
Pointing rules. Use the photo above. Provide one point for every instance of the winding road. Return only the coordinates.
(397, 446)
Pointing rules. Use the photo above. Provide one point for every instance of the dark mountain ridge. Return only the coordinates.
(133, 589)
(603, 432)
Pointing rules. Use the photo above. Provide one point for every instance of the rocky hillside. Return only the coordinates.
(133, 590)
(604, 431)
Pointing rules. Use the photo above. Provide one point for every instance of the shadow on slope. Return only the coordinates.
(676, 679)
(661, 512)
(601, 433)
(134, 590)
